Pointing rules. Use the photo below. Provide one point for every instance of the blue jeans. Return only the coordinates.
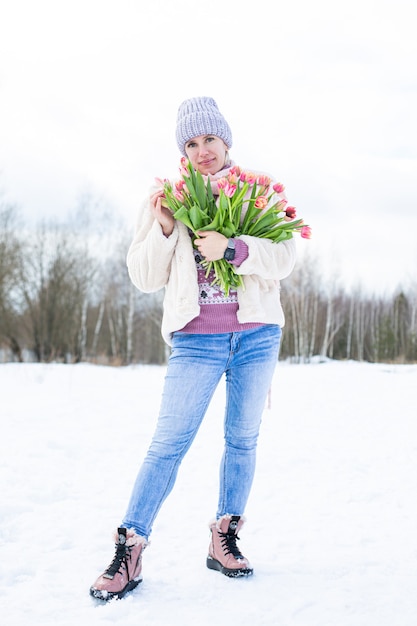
(195, 367)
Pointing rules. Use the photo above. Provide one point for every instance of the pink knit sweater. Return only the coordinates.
(217, 311)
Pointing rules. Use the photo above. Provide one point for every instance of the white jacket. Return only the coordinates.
(155, 261)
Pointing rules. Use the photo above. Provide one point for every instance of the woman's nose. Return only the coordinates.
(203, 149)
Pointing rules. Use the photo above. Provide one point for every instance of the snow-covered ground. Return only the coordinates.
(332, 518)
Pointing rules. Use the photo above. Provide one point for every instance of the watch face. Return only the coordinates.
(229, 253)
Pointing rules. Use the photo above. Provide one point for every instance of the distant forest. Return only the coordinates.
(65, 296)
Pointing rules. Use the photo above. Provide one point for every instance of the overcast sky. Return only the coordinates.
(321, 95)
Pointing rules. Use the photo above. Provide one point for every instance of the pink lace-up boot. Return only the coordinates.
(224, 555)
(125, 571)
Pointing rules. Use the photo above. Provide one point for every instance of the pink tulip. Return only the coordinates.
(229, 190)
(306, 232)
(263, 180)
(184, 167)
(235, 170)
(248, 177)
(180, 184)
(221, 182)
(291, 212)
(261, 202)
(179, 196)
(278, 188)
(232, 178)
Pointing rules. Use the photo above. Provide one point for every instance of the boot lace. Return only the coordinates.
(120, 558)
(228, 541)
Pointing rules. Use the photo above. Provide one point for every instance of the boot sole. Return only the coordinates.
(230, 573)
(105, 596)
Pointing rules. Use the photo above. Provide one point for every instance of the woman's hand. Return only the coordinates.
(211, 244)
(162, 214)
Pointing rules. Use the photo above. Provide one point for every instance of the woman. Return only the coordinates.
(210, 335)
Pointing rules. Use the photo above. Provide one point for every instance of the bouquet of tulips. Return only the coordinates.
(242, 203)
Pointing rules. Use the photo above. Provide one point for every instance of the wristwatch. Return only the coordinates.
(229, 253)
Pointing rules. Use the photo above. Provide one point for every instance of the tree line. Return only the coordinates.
(65, 296)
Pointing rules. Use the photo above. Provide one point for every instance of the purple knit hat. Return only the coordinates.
(201, 116)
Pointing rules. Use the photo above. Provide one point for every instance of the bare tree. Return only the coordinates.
(302, 301)
(53, 286)
(10, 260)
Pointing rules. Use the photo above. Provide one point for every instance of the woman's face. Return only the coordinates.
(207, 153)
